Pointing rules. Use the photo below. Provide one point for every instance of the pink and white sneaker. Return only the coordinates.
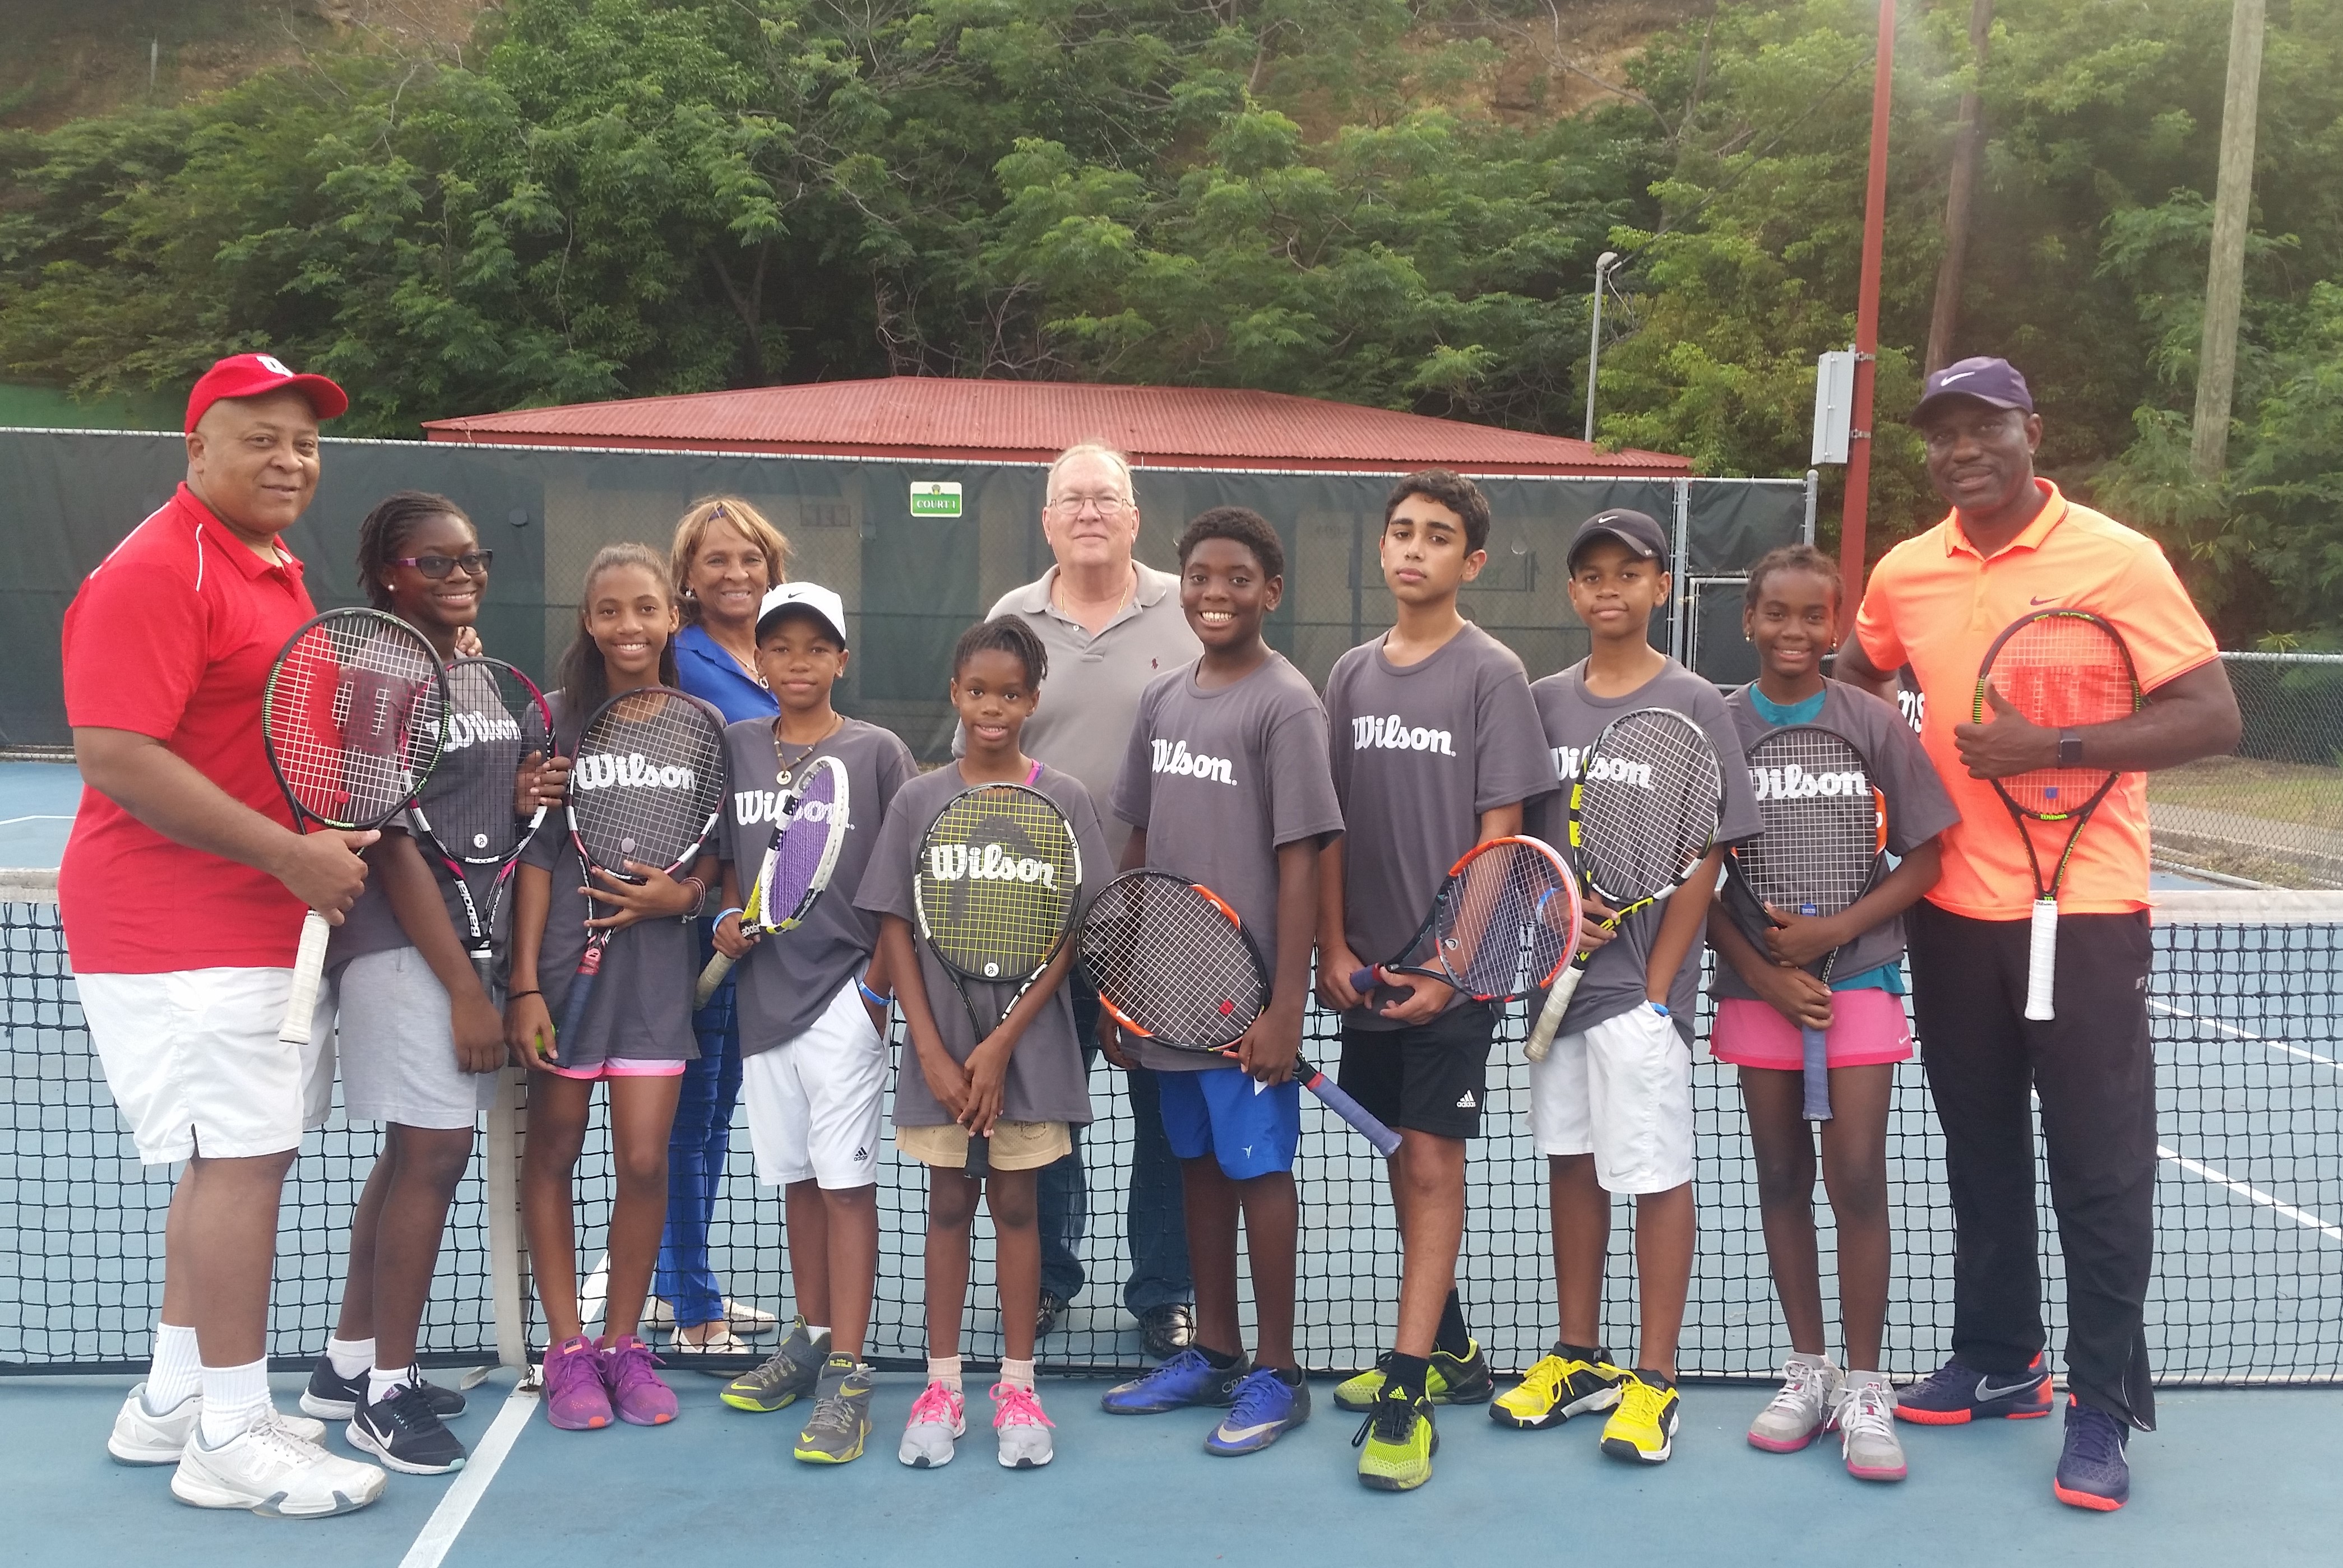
(1022, 1430)
(576, 1398)
(637, 1392)
(939, 1419)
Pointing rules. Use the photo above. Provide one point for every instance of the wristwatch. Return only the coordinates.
(2070, 748)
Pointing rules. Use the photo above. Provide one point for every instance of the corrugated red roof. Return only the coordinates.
(935, 418)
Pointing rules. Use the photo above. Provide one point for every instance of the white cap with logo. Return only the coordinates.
(821, 601)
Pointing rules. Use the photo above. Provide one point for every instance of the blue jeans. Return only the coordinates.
(1154, 1218)
(697, 1149)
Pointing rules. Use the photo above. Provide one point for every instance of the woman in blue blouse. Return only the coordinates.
(726, 556)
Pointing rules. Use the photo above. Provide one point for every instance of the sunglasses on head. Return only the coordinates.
(474, 563)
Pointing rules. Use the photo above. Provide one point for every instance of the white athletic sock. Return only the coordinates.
(234, 1398)
(380, 1380)
(177, 1372)
(1017, 1373)
(944, 1370)
(817, 1334)
(350, 1357)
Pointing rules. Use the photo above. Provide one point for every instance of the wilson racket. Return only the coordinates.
(1824, 841)
(1502, 926)
(798, 863)
(998, 880)
(2060, 669)
(496, 721)
(1173, 964)
(648, 786)
(351, 722)
(1643, 814)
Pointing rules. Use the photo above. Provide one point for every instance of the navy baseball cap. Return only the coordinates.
(1987, 380)
(1640, 532)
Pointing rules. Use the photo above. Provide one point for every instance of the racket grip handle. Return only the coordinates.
(709, 979)
(1557, 1003)
(1815, 1048)
(309, 970)
(979, 1155)
(1362, 980)
(2042, 960)
(1330, 1094)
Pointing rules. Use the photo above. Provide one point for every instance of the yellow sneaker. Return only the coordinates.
(1557, 1388)
(1452, 1380)
(1395, 1444)
(1643, 1427)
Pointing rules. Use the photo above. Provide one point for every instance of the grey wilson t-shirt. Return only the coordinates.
(1046, 1081)
(1918, 809)
(469, 767)
(789, 979)
(641, 1009)
(1419, 751)
(1221, 780)
(1573, 718)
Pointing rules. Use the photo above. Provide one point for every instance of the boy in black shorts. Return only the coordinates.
(1435, 745)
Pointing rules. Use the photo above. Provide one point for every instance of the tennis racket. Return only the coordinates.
(1643, 814)
(999, 877)
(1502, 926)
(1824, 841)
(2060, 669)
(648, 786)
(497, 715)
(806, 839)
(1173, 964)
(351, 722)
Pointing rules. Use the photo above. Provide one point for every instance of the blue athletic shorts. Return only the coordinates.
(1218, 1112)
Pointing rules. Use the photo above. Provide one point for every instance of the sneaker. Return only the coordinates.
(274, 1472)
(1265, 1409)
(1187, 1377)
(1396, 1442)
(1957, 1393)
(331, 1396)
(747, 1321)
(1864, 1415)
(939, 1419)
(834, 1434)
(1045, 1318)
(1452, 1379)
(1556, 1388)
(576, 1397)
(142, 1436)
(1166, 1330)
(789, 1372)
(1023, 1431)
(1802, 1409)
(1643, 1427)
(406, 1434)
(638, 1393)
(2092, 1469)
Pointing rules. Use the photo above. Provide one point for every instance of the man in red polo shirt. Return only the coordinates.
(183, 890)
(2011, 545)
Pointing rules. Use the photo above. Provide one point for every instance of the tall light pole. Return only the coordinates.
(1602, 265)
(1855, 514)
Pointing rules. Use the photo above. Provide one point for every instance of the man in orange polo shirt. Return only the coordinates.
(2012, 545)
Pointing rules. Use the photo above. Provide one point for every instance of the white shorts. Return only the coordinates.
(399, 1046)
(194, 1065)
(1621, 1092)
(813, 1101)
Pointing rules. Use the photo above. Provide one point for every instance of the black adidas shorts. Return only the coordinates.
(1433, 1077)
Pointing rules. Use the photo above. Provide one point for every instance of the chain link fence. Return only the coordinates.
(2270, 815)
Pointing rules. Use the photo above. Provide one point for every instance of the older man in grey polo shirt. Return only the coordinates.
(1112, 625)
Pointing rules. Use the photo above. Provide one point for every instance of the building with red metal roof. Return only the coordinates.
(934, 418)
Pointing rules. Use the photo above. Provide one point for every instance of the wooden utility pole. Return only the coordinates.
(1858, 510)
(2225, 278)
(1968, 152)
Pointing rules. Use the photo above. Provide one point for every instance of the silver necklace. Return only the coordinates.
(789, 765)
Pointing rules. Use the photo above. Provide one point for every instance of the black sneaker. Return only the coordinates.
(1045, 1320)
(1168, 1330)
(404, 1432)
(331, 1396)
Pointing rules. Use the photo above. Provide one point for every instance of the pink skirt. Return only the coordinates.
(1867, 1028)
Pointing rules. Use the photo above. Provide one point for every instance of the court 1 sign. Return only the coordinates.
(935, 499)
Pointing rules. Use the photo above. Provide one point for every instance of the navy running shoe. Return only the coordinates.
(1957, 1394)
(1187, 1379)
(2092, 1470)
(1267, 1408)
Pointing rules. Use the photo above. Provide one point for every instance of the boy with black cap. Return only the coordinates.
(1610, 1106)
(812, 1005)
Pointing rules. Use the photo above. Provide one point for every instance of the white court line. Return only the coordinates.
(2232, 1030)
(12, 822)
(455, 1509)
(2302, 1217)
(598, 1287)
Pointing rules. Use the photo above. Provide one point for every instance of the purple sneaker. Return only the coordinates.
(636, 1391)
(576, 1400)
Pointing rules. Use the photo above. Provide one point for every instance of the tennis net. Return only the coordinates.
(2249, 1275)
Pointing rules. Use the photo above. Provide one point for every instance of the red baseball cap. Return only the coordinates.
(251, 375)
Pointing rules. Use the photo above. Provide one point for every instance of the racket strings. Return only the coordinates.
(2061, 671)
(1172, 962)
(997, 882)
(500, 722)
(1506, 921)
(1822, 822)
(353, 718)
(798, 859)
(1647, 805)
(649, 773)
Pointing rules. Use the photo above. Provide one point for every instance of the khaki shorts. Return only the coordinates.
(1016, 1145)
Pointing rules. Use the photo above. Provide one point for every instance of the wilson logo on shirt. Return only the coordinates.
(1369, 733)
(1791, 783)
(988, 863)
(1174, 756)
(608, 770)
(750, 807)
(1576, 763)
(462, 729)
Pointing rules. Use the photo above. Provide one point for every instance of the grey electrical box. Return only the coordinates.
(1834, 404)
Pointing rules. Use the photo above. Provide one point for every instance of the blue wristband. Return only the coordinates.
(1657, 1007)
(872, 997)
(735, 909)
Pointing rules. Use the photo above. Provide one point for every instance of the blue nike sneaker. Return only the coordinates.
(2092, 1469)
(1187, 1379)
(1957, 1394)
(1267, 1408)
